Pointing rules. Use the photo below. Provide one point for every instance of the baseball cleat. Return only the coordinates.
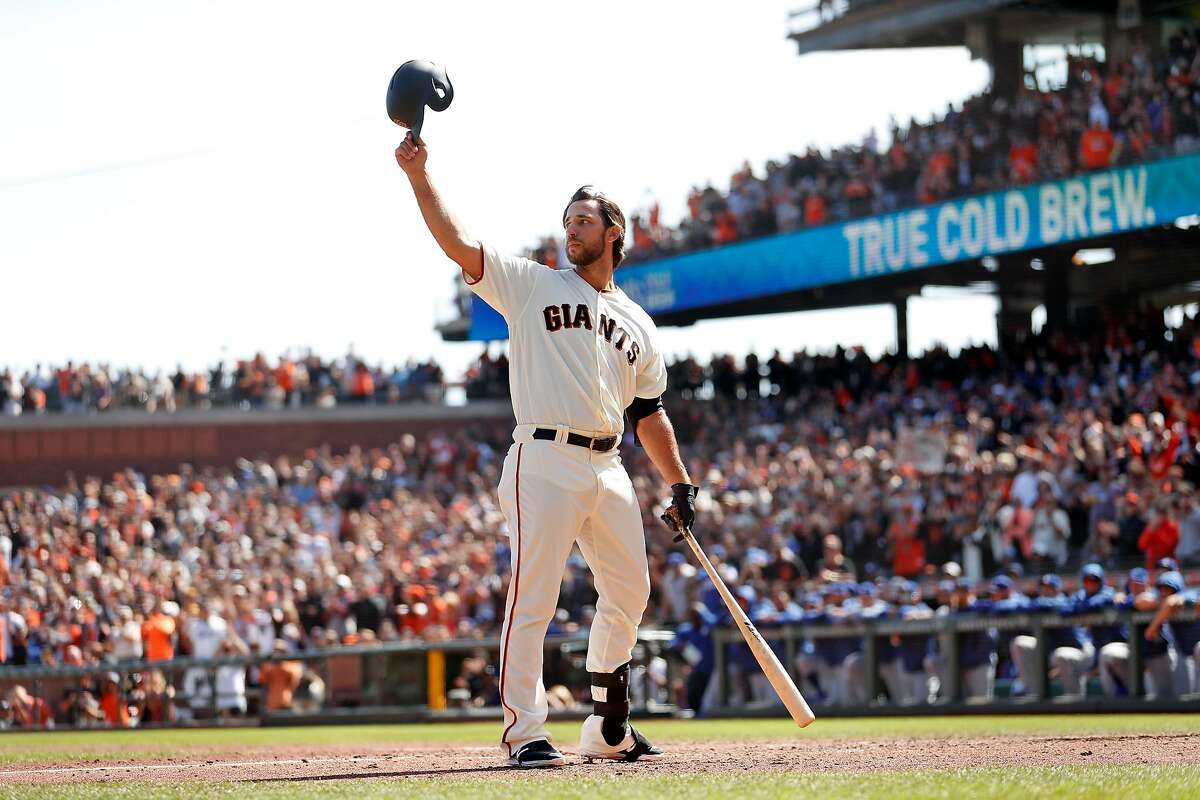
(538, 753)
(634, 747)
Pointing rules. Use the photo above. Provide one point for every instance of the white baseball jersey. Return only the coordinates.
(577, 357)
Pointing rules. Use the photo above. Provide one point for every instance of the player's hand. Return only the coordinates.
(1151, 632)
(681, 513)
(411, 156)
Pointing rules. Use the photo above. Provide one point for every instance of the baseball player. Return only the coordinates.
(1158, 657)
(868, 607)
(769, 616)
(1094, 597)
(887, 648)
(976, 648)
(1184, 635)
(1005, 600)
(1069, 651)
(914, 649)
(583, 356)
(694, 642)
(829, 654)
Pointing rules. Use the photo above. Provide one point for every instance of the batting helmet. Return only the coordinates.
(414, 86)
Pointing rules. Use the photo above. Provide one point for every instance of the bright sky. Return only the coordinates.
(183, 182)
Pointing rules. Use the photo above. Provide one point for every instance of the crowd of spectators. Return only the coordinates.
(487, 378)
(1143, 106)
(817, 471)
(254, 383)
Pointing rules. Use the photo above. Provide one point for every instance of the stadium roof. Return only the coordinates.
(864, 24)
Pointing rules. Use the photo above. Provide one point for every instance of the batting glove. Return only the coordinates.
(681, 513)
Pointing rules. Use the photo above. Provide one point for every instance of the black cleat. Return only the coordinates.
(632, 747)
(641, 748)
(539, 753)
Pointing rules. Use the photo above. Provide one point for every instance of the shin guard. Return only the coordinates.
(610, 697)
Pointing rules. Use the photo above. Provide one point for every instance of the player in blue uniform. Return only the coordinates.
(866, 607)
(807, 664)
(1004, 599)
(915, 649)
(1184, 635)
(829, 653)
(887, 648)
(1068, 649)
(1094, 597)
(740, 662)
(1158, 657)
(768, 615)
(976, 649)
(694, 643)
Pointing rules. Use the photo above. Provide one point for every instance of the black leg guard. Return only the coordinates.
(610, 697)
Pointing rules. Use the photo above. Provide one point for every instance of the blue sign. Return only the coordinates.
(1095, 204)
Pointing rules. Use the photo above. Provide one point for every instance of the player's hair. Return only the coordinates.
(609, 211)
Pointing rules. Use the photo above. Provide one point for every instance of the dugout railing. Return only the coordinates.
(414, 680)
(380, 681)
(789, 640)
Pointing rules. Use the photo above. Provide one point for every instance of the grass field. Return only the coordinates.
(821, 760)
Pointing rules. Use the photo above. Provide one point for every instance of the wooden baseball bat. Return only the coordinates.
(783, 684)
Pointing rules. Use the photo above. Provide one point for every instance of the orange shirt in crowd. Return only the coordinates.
(285, 375)
(1096, 148)
(814, 209)
(1161, 462)
(156, 637)
(1023, 160)
(940, 163)
(908, 558)
(65, 377)
(1159, 541)
(280, 679)
(726, 228)
(116, 712)
(364, 384)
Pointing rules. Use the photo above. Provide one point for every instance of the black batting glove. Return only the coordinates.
(681, 513)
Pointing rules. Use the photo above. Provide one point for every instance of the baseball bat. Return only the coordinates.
(783, 684)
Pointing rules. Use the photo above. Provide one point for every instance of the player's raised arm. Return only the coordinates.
(446, 229)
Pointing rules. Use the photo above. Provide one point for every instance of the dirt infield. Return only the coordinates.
(849, 755)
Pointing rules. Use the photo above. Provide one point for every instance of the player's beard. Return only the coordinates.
(587, 253)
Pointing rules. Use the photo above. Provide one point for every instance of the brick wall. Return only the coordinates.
(41, 450)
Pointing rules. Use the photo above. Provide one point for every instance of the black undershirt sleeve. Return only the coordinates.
(639, 409)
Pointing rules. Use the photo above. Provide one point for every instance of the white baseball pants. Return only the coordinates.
(555, 494)
(1072, 663)
(1158, 672)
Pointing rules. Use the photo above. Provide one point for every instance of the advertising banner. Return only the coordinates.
(1076, 209)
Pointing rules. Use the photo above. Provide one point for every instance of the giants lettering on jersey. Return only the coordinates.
(561, 317)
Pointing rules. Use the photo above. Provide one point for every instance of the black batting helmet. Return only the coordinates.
(414, 86)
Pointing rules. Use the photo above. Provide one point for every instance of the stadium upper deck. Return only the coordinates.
(975, 197)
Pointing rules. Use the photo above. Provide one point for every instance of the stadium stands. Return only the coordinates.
(823, 475)
(836, 487)
(1139, 108)
(254, 383)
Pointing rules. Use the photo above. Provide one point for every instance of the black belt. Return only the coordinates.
(603, 445)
